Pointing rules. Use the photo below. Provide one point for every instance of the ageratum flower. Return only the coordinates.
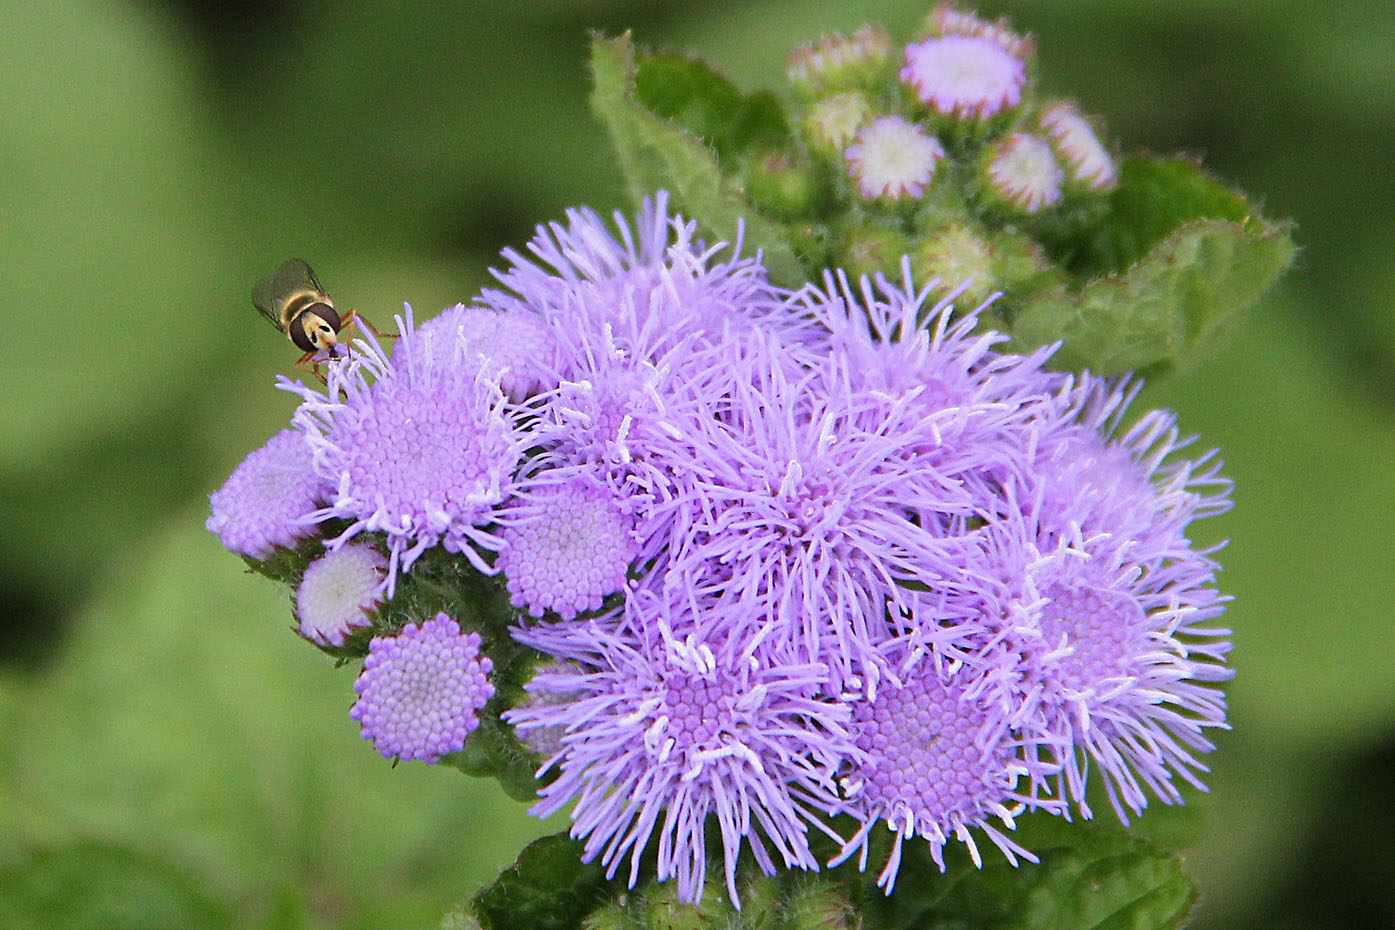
(644, 321)
(420, 691)
(565, 546)
(663, 732)
(866, 543)
(516, 344)
(897, 340)
(1105, 649)
(640, 292)
(820, 510)
(422, 448)
(934, 767)
(267, 501)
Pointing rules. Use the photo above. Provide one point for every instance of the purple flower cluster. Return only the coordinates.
(791, 560)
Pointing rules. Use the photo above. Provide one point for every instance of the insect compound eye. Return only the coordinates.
(314, 328)
(299, 336)
(328, 314)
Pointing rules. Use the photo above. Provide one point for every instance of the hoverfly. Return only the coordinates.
(295, 303)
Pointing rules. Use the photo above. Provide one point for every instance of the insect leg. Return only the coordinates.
(308, 362)
(353, 316)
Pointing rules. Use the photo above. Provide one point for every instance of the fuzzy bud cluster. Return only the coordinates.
(942, 139)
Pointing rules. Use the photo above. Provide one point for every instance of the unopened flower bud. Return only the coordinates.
(816, 905)
(1020, 263)
(666, 908)
(1021, 174)
(956, 254)
(837, 63)
(338, 592)
(266, 502)
(1089, 166)
(781, 184)
(892, 158)
(566, 546)
(964, 77)
(832, 122)
(420, 691)
(867, 249)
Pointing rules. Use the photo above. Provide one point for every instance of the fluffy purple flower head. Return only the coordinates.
(645, 320)
(515, 343)
(968, 77)
(422, 448)
(897, 340)
(565, 546)
(337, 592)
(420, 692)
(819, 510)
(1104, 649)
(267, 501)
(934, 767)
(663, 732)
(1132, 481)
(638, 291)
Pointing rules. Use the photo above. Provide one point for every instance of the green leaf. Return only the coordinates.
(1154, 197)
(104, 887)
(655, 152)
(1090, 877)
(1188, 291)
(696, 97)
(548, 888)
(493, 751)
(187, 722)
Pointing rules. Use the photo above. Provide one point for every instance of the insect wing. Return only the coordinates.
(272, 294)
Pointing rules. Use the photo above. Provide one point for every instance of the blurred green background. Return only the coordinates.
(174, 757)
